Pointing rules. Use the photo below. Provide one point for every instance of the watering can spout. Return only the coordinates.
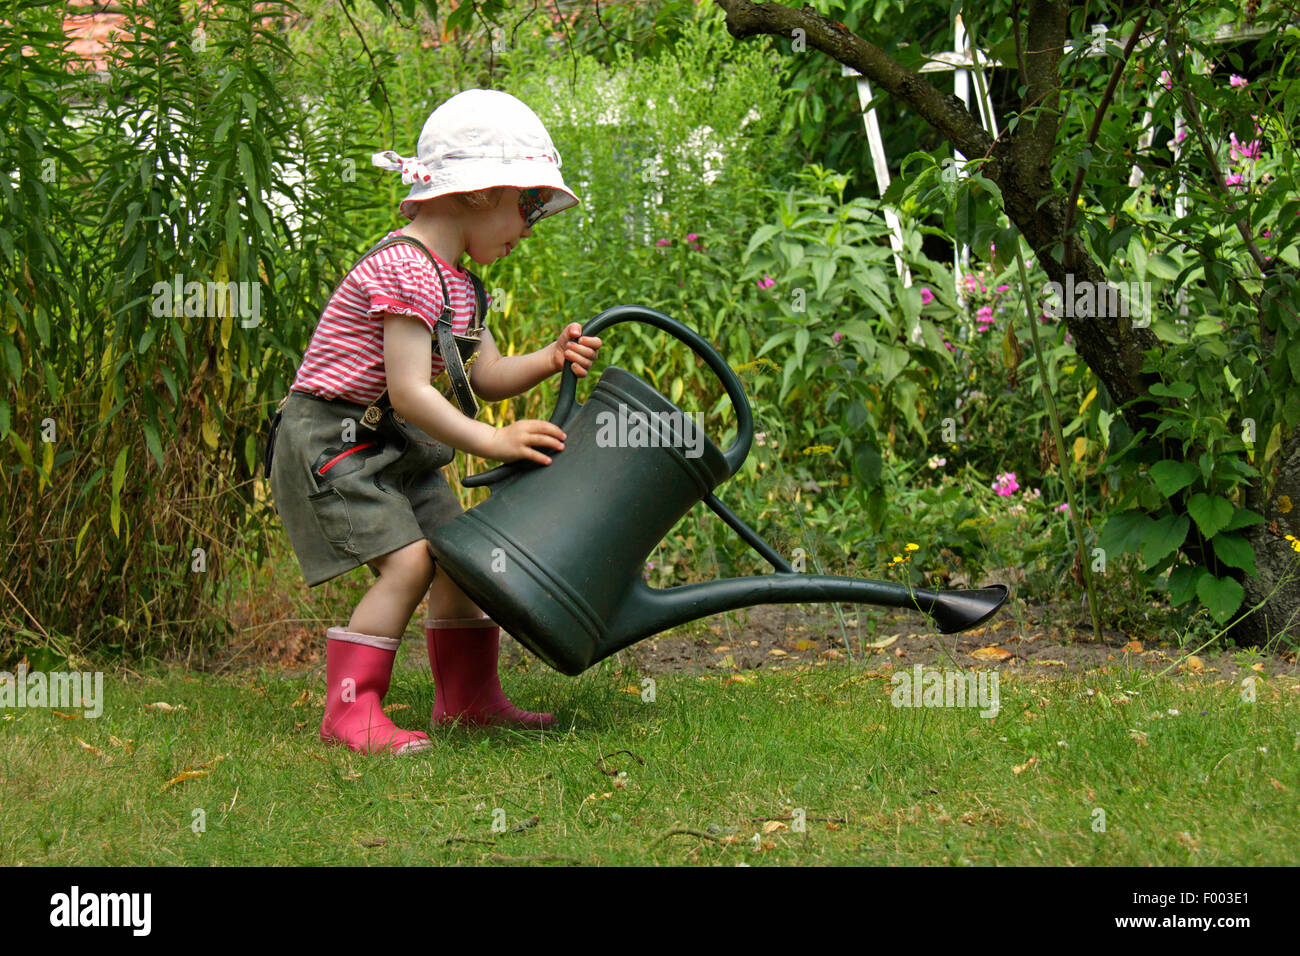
(649, 611)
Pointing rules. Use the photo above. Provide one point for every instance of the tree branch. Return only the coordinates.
(945, 112)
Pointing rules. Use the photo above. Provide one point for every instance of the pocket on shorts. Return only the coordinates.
(331, 512)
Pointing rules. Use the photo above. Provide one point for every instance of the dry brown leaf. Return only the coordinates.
(1277, 784)
(722, 649)
(883, 642)
(832, 826)
(1139, 736)
(59, 713)
(777, 652)
(1194, 664)
(990, 653)
(394, 707)
(1044, 663)
(85, 746)
(1132, 647)
(1257, 667)
(303, 698)
(166, 707)
(739, 679)
(728, 661)
(805, 645)
(1024, 766)
(771, 826)
(185, 775)
(630, 690)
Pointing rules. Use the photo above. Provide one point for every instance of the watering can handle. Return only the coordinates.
(564, 406)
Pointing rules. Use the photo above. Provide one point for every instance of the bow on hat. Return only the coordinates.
(412, 170)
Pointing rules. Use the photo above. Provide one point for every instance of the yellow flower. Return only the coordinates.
(912, 547)
(897, 558)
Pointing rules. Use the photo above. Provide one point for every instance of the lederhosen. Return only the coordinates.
(352, 482)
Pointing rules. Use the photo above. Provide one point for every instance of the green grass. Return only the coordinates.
(911, 786)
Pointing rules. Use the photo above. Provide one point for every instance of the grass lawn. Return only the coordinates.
(797, 766)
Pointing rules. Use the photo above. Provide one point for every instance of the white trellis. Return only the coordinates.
(961, 61)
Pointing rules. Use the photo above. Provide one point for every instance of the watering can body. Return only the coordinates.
(555, 556)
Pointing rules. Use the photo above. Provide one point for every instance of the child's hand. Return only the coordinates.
(517, 441)
(575, 347)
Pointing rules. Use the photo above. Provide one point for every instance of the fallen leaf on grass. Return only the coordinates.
(883, 642)
(771, 826)
(305, 698)
(777, 652)
(166, 707)
(728, 661)
(59, 713)
(1139, 736)
(990, 653)
(1018, 770)
(1194, 664)
(392, 707)
(85, 746)
(193, 773)
(630, 690)
(739, 679)
(1042, 663)
(1277, 784)
(185, 775)
(373, 843)
(722, 649)
(805, 645)
(1132, 647)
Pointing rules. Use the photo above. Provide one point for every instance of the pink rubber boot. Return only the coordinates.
(463, 656)
(358, 668)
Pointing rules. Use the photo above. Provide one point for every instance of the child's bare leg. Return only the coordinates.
(447, 600)
(404, 576)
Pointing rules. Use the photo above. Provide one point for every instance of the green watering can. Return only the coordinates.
(555, 556)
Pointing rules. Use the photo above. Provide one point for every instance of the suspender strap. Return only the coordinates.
(445, 338)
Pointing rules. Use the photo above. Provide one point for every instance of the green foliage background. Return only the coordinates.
(721, 182)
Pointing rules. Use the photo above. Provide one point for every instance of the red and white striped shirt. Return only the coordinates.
(345, 358)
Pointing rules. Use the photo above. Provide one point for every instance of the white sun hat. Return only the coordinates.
(476, 140)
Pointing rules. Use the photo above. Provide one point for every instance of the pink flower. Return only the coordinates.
(1235, 179)
(1237, 81)
(1006, 484)
(1266, 233)
(926, 296)
(949, 346)
(1182, 135)
(1166, 80)
(1065, 508)
(1003, 288)
(664, 242)
(691, 237)
(766, 282)
(971, 281)
(836, 337)
(985, 314)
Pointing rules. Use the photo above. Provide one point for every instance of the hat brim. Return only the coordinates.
(466, 176)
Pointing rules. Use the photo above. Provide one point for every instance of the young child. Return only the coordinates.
(363, 434)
